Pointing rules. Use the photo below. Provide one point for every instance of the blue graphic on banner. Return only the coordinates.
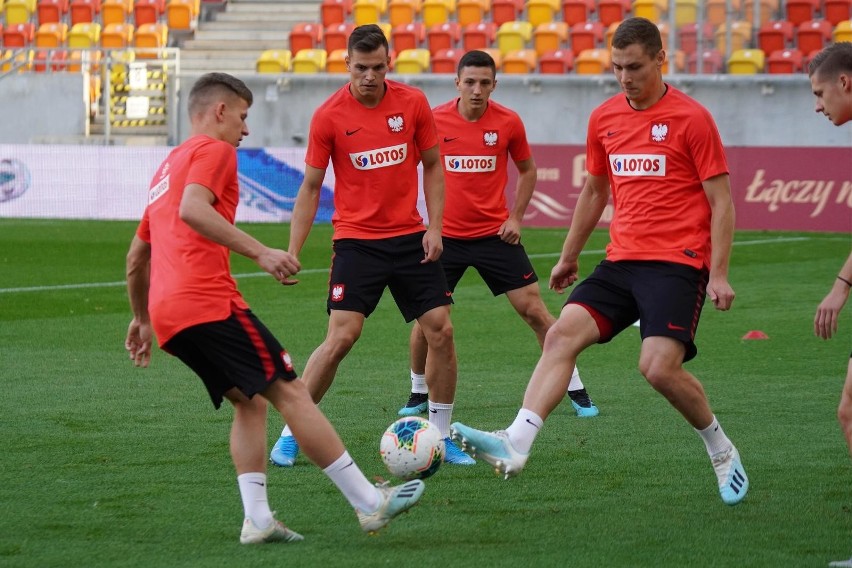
(14, 179)
(269, 185)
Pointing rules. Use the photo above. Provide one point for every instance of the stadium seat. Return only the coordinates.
(512, 36)
(150, 37)
(367, 11)
(774, 36)
(746, 62)
(22, 60)
(495, 55)
(784, 61)
(50, 11)
(649, 9)
(86, 35)
(310, 61)
(401, 12)
(55, 59)
(442, 36)
(115, 12)
(471, 12)
(592, 62)
(711, 62)
(577, 11)
(446, 61)
(336, 36)
(716, 11)
(88, 61)
(335, 11)
(610, 11)
(836, 11)
(336, 61)
(679, 59)
(83, 11)
(274, 61)
(148, 11)
(686, 12)
(556, 62)
(586, 35)
(503, 11)
(520, 62)
(768, 10)
(842, 31)
(386, 29)
(551, 36)
(18, 35)
(117, 36)
(740, 36)
(408, 36)
(410, 61)
(542, 11)
(181, 14)
(18, 11)
(813, 35)
(51, 35)
(689, 37)
(305, 35)
(798, 11)
(610, 31)
(477, 36)
(434, 12)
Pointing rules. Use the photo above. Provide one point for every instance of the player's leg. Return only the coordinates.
(418, 400)
(844, 410)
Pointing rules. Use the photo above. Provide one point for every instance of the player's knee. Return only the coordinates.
(441, 337)
(844, 413)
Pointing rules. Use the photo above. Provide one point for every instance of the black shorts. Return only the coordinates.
(665, 297)
(236, 352)
(504, 267)
(362, 268)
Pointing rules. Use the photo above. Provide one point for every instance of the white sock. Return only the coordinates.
(440, 415)
(255, 503)
(349, 478)
(418, 383)
(524, 429)
(714, 438)
(575, 384)
(286, 431)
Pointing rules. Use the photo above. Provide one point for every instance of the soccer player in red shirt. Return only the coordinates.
(374, 132)
(180, 288)
(661, 154)
(477, 137)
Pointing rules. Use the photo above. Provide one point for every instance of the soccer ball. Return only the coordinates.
(412, 448)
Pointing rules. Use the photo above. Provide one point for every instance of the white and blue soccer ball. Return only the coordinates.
(412, 448)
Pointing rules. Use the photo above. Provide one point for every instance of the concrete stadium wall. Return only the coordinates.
(763, 110)
(37, 105)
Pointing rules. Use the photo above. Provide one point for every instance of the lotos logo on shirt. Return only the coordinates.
(379, 158)
(470, 164)
(158, 190)
(638, 165)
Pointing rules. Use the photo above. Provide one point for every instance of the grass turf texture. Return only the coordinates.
(107, 465)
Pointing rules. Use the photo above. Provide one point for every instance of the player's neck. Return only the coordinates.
(470, 114)
(645, 104)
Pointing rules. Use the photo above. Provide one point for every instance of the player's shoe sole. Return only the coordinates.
(493, 447)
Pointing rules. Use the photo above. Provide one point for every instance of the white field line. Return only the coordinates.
(87, 285)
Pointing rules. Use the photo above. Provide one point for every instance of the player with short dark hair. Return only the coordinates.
(477, 136)
(374, 132)
(180, 287)
(661, 155)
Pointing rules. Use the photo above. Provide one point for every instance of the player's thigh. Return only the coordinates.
(418, 287)
(503, 266)
(360, 271)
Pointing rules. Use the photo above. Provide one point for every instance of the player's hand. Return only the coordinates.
(433, 246)
(563, 275)
(138, 342)
(720, 293)
(828, 312)
(280, 264)
(510, 232)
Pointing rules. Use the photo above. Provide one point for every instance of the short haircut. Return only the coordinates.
(210, 87)
(477, 58)
(367, 39)
(638, 31)
(832, 61)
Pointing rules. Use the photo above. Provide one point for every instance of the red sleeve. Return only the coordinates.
(213, 165)
(519, 148)
(595, 154)
(143, 231)
(705, 145)
(426, 135)
(320, 142)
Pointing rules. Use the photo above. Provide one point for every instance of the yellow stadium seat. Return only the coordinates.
(117, 36)
(520, 61)
(686, 12)
(843, 31)
(746, 62)
(84, 36)
(386, 29)
(512, 36)
(435, 12)
(402, 12)
(51, 35)
(367, 11)
(472, 11)
(274, 61)
(740, 35)
(336, 62)
(592, 62)
(542, 11)
(18, 11)
(550, 37)
(649, 9)
(310, 61)
(412, 61)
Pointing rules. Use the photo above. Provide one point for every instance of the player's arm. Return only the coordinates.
(139, 333)
(305, 208)
(590, 206)
(433, 191)
(718, 191)
(510, 232)
(196, 210)
(828, 311)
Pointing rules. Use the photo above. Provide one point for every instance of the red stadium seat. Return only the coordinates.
(442, 36)
(148, 11)
(335, 11)
(785, 61)
(478, 36)
(503, 11)
(337, 36)
(18, 35)
(689, 37)
(587, 35)
(84, 11)
(798, 11)
(813, 35)
(556, 62)
(711, 62)
(577, 11)
(610, 11)
(775, 36)
(446, 61)
(50, 11)
(408, 36)
(836, 11)
(305, 35)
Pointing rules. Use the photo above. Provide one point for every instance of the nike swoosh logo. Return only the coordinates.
(674, 327)
(450, 139)
(612, 132)
(351, 132)
(531, 424)
(351, 463)
(433, 411)
(258, 483)
(528, 276)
